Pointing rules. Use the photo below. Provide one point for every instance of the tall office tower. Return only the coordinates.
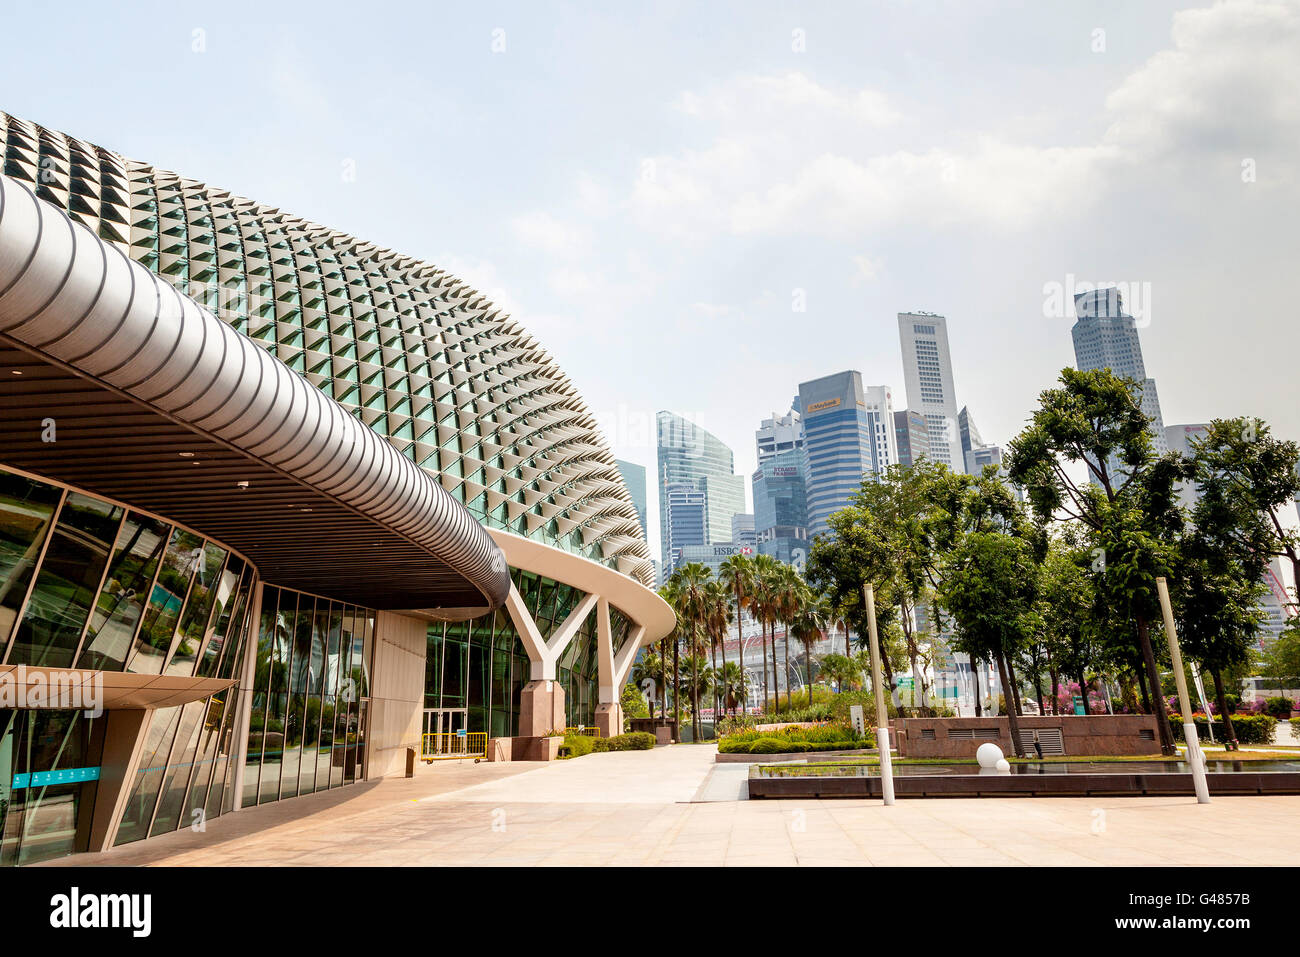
(1105, 337)
(684, 517)
(927, 371)
(848, 436)
(970, 433)
(780, 433)
(691, 455)
(634, 479)
(742, 529)
(912, 436)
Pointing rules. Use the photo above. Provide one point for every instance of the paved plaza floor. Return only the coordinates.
(675, 806)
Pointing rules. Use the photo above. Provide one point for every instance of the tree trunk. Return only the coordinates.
(1015, 686)
(776, 678)
(1011, 712)
(975, 682)
(1056, 693)
(1083, 692)
(789, 705)
(762, 631)
(1157, 699)
(1142, 689)
(1038, 691)
(1229, 735)
(807, 670)
(717, 695)
(677, 689)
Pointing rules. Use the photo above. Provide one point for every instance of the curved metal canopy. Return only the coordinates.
(150, 399)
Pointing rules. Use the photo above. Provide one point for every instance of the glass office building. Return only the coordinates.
(690, 455)
(273, 497)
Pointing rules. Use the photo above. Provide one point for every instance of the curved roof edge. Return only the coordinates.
(643, 605)
(69, 295)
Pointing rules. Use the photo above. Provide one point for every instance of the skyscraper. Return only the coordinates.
(927, 373)
(848, 435)
(780, 433)
(912, 436)
(1105, 337)
(693, 456)
(683, 517)
(634, 479)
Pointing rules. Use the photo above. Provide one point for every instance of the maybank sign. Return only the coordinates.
(821, 406)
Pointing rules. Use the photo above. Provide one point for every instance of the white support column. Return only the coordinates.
(543, 653)
(607, 692)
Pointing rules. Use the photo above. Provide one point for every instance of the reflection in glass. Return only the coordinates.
(26, 507)
(67, 583)
(194, 620)
(40, 820)
(182, 559)
(228, 596)
(140, 545)
(148, 776)
(177, 779)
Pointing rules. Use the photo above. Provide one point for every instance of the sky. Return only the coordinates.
(695, 206)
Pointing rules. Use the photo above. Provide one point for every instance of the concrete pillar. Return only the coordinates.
(541, 708)
(124, 735)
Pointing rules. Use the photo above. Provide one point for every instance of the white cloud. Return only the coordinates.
(541, 230)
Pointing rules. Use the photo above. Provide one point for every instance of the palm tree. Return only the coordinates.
(717, 619)
(763, 602)
(734, 682)
(690, 590)
(699, 680)
(790, 592)
(737, 576)
(649, 667)
(807, 627)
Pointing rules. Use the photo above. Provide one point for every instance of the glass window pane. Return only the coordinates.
(194, 621)
(183, 557)
(26, 508)
(67, 582)
(149, 776)
(179, 769)
(227, 607)
(140, 545)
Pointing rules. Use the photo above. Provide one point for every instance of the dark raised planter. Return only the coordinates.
(1028, 785)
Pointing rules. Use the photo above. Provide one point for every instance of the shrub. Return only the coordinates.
(1250, 728)
(1295, 728)
(632, 741)
(1279, 707)
(579, 744)
(794, 740)
(744, 722)
(770, 746)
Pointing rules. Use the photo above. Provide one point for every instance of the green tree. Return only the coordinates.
(1245, 478)
(1127, 507)
(989, 589)
(807, 627)
(737, 576)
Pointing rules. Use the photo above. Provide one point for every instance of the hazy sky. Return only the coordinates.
(652, 188)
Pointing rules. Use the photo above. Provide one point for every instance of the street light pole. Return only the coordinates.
(882, 716)
(1194, 754)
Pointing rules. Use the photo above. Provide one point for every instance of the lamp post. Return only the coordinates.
(882, 716)
(1195, 756)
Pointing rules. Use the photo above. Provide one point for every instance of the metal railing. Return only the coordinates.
(589, 731)
(454, 745)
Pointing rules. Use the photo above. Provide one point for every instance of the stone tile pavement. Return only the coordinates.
(666, 807)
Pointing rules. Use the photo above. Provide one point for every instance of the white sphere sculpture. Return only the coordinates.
(1003, 766)
(988, 755)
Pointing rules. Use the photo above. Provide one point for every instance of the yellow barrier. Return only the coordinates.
(453, 746)
(587, 731)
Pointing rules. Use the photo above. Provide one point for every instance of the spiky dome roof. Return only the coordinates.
(417, 355)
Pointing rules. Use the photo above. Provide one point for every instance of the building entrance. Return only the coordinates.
(49, 775)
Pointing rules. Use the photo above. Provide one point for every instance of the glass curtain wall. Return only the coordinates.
(89, 583)
(311, 686)
(481, 665)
